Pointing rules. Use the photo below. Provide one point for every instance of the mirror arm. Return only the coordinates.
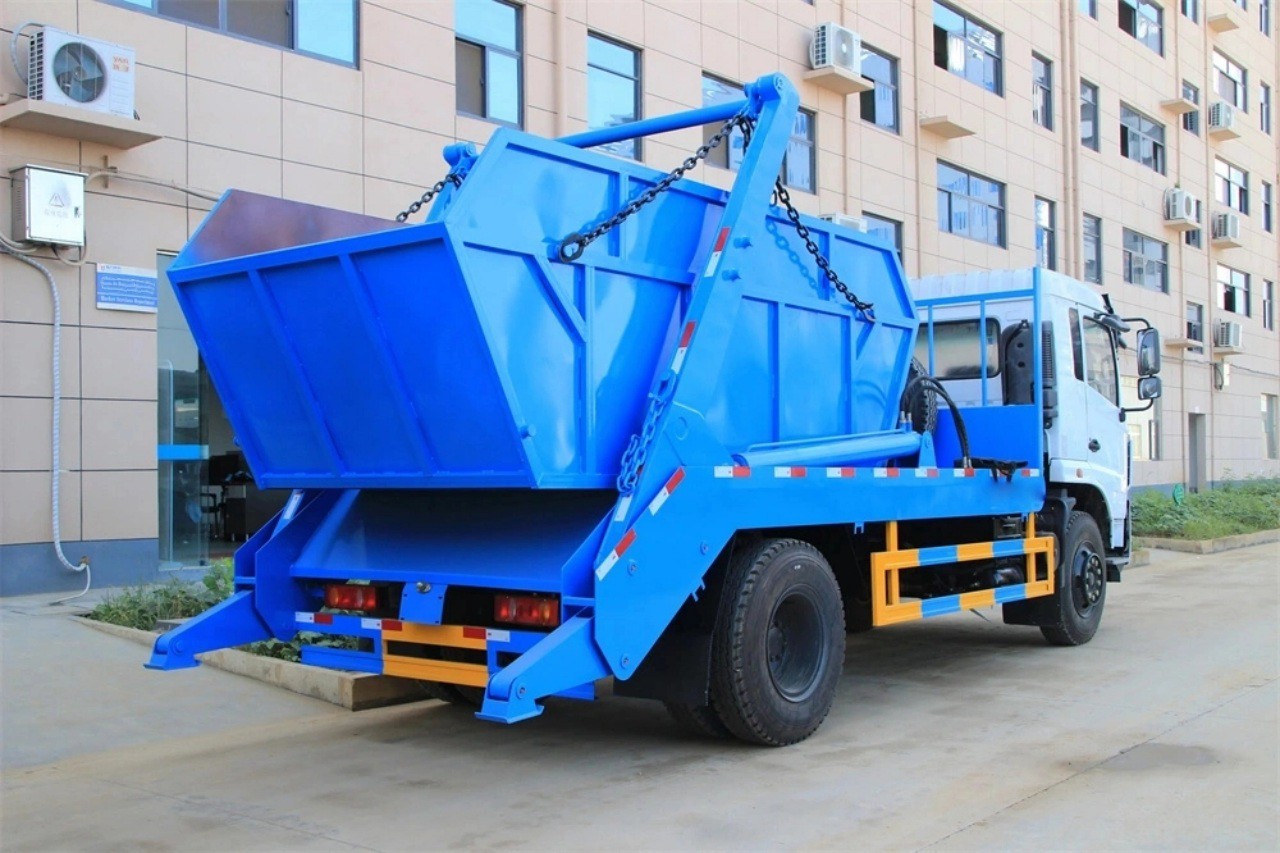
(1149, 404)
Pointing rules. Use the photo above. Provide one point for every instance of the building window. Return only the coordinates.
(966, 48)
(1144, 21)
(488, 60)
(1268, 208)
(1141, 139)
(886, 229)
(1089, 7)
(1046, 239)
(1146, 261)
(1270, 433)
(1234, 292)
(1092, 249)
(613, 90)
(798, 164)
(326, 29)
(1230, 81)
(1269, 305)
(1143, 426)
(1042, 91)
(1089, 136)
(1191, 120)
(1264, 108)
(1264, 17)
(1193, 237)
(715, 92)
(880, 105)
(1231, 186)
(970, 205)
(1195, 325)
(1191, 9)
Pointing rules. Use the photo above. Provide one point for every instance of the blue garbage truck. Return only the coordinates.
(593, 421)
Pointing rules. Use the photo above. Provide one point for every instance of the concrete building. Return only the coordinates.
(997, 135)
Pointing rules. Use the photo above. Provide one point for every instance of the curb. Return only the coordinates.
(350, 690)
(1210, 546)
(1139, 557)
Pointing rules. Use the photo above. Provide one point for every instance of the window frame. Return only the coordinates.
(1191, 120)
(1128, 132)
(724, 156)
(870, 95)
(1268, 208)
(1097, 246)
(1194, 6)
(811, 143)
(1146, 243)
(637, 90)
(1237, 282)
(993, 332)
(1046, 253)
(1194, 237)
(969, 197)
(517, 54)
(1229, 191)
(1195, 328)
(1088, 8)
(1042, 91)
(1137, 6)
(1264, 108)
(1093, 143)
(1268, 305)
(1222, 70)
(996, 54)
(894, 224)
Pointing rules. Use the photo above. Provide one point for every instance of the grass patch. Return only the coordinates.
(1241, 507)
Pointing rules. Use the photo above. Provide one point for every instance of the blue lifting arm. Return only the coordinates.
(234, 622)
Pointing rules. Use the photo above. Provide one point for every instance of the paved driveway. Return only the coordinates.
(957, 733)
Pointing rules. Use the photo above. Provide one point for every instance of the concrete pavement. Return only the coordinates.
(956, 733)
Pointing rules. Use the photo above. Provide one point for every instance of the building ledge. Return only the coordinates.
(839, 80)
(1222, 22)
(1223, 132)
(945, 127)
(76, 123)
(1224, 352)
(1226, 242)
(1180, 106)
(1181, 225)
(1184, 343)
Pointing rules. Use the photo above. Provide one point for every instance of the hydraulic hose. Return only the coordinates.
(926, 384)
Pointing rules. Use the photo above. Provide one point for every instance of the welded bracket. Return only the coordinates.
(567, 658)
(234, 622)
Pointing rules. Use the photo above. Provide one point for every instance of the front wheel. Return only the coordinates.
(778, 647)
(1082, 587)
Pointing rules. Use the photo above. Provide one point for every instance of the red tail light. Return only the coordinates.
(539, 611)
(343, 596)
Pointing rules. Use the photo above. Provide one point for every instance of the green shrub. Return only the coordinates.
(1236, 507)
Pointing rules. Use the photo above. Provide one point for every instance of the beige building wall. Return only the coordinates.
(239, 114)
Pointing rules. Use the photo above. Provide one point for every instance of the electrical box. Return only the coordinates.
(48, 206)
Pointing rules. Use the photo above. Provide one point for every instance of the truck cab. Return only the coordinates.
(983, 353)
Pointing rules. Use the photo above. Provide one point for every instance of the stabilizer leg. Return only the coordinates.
(567, 658)
(234, 622)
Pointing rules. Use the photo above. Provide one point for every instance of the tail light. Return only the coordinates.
(344, 596)
(539, 611)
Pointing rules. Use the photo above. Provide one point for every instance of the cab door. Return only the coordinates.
(1106, 439)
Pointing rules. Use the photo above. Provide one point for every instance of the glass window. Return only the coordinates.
(1195, 325)
(1089, 7)
(1141, 139)
(1230, 81)
(1191, 9)
(957, 354)
(1231, 186)
(1194, 238)
(1264, 108)
(489, 61)
(970, 205)
(1191, 120)
(1046, 240)
(1264, 17)
(798, 164)
(1146, 261)
(613, 90)
(1270, 433)
(1234, 292)
(1143, 426)
(1269, 305)
(322, 28)
(967, 49)
(1268, 208)
(1144, 21)
(1100, 360)
(1042, 91)
(886, 229)
(1077, 347)
(1089, 135)
(1092, 249)
(880, 105)
(729, 154)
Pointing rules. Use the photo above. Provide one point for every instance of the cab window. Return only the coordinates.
(1100, 360)
(957, 353)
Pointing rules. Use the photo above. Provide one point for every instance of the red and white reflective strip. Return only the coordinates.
(687, 335)
(962, 472)
(841, 473)
(926, 472)
(368, 624)
(790, 472)
(659, 499)
(472, 633)
(714, 263)
(618, 550)
(891, 473)
(735, 472)
(1030, 472)
(624, 506)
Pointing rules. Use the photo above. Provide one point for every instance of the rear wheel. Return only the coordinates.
(698, 719)
(1082, 585)
(779, 640)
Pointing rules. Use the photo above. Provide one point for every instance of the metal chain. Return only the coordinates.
(637, 451)
(867, 309)
(451, 178)
(572, 247)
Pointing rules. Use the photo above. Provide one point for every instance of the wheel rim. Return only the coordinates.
(1088, 575)
(796, 645)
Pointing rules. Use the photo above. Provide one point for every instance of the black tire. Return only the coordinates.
(1082, 584)
(699, 720)
(923, 409)
(778, 647)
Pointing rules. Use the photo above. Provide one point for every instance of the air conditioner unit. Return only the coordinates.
(1227, 335)
(67, 69)
(1180, 208)
(834, 46)
(1226, 227)
(1222, 116)
(855, 223)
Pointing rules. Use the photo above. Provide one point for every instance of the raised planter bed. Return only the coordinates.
(1209, 546)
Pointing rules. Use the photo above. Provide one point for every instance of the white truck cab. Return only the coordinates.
(1087, 454)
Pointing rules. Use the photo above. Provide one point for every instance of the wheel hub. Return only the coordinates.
(1090, 579)
(796, 646)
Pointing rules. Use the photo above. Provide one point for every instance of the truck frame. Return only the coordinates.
(533, 444)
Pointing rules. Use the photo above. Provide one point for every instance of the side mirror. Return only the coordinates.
(1149, 388)
(1149, 356)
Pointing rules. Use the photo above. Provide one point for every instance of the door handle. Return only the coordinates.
(1094, 445)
